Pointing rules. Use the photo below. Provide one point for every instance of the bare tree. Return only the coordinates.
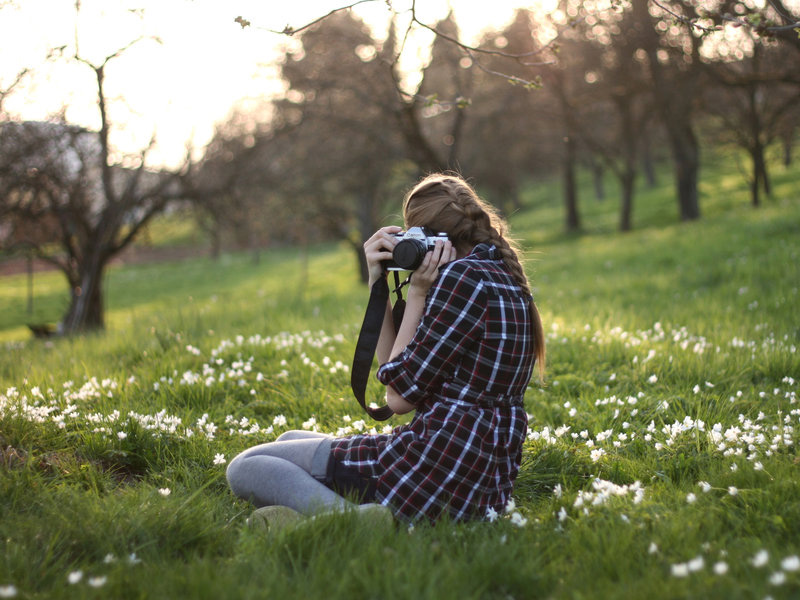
(64, 175)
(753, 101)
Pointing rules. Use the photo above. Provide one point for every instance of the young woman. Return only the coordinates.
(462, 359)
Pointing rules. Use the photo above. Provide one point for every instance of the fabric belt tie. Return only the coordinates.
(467, 395)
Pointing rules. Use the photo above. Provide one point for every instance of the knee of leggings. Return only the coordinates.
(232, 474)
(292, 434)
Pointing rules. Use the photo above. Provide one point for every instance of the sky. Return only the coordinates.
(203, 64)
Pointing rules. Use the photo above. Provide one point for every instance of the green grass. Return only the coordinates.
(672, 360)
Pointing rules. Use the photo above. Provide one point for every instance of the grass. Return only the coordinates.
(661, 460)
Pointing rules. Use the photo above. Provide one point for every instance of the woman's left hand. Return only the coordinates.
(425, 275)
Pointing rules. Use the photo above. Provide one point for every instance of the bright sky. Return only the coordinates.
(204, 65)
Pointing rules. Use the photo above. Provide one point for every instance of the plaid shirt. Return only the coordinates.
(466, 370)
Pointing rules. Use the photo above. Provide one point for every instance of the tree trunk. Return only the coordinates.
(367, 225)
(674, 96)
(419, 150)
(647, 160)
(787, 136)
(626, 210)
(86, 309)
(216, 243)
(686, 154)
(760, 174)
(597, 180)
(573, 219)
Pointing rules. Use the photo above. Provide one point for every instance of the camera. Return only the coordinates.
(410, 251)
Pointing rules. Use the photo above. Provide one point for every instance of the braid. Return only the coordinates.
(448, 203)
(487, 226)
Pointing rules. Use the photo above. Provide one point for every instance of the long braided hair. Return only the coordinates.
(449, 204)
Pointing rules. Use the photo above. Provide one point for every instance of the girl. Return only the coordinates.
(462, 359)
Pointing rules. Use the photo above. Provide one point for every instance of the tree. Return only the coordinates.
(447, 76)
(753, 100)
(64, 175)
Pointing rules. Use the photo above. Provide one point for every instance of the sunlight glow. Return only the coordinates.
(192, 65)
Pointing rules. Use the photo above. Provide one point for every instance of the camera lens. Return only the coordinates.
(409, 254)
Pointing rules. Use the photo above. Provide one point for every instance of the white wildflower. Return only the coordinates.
(705, 486)
(790, 563)
(733, 490)
(74, 577)
(653, 548)
(777, 578)
(164, 491)
(491, 515)
(690, 497)
(720, 568)
(7, 591)
(696, 564)
(562, 514)
(680, 570)
(760, 559)
(97, 582)
(219, 459)
(518, 520)
(596, 454)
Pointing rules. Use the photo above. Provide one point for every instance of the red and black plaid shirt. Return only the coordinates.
(466, 370)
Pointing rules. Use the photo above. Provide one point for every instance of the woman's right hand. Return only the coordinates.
(379, 248)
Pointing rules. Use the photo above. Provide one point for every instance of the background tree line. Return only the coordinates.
(609, 90)
(615, 91)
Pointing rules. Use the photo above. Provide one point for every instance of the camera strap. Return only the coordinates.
(368, 340)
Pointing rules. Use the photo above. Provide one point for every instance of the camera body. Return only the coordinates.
(410, 251)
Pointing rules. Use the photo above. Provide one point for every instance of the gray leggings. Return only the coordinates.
(289, 472)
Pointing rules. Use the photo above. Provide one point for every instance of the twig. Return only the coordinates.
(289, 30)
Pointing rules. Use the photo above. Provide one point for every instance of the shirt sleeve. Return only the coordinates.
(453, 320)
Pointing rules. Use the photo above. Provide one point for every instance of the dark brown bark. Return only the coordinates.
(573, 219)
(674, 95)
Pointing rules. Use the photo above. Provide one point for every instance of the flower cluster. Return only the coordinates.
(760, 560)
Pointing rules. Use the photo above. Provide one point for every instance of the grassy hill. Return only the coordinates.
(662, 453)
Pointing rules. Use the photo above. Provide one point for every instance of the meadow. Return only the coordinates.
(661, 458)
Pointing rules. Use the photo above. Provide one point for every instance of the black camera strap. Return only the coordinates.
(368, 341)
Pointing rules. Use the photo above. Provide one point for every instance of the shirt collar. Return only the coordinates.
(485, 251)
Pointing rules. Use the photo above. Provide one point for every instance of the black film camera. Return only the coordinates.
(410, 251)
